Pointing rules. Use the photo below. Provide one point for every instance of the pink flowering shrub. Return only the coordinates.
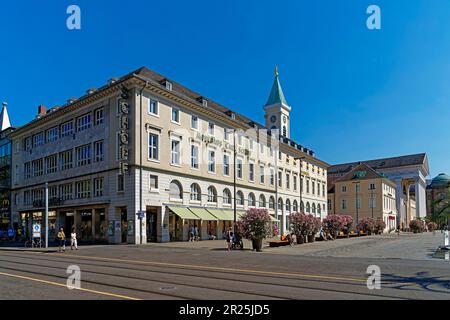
(432, 226)
(380, 225)
(302, 224)
(255, 224)
(367, 225)
(417, 225)
(336, 223)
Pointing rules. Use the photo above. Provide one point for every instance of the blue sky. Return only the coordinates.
(356, 94)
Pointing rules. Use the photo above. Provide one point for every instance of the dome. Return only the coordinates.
(441, 180)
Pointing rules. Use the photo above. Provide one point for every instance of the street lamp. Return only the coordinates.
(301, 184)
(357, 207)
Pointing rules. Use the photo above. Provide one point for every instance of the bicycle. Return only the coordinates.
(35, 243)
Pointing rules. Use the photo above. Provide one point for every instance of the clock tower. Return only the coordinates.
(277, 110)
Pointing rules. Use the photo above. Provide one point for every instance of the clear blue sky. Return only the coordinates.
(356, 94)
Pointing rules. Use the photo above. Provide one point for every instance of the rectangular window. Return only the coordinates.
(194, 157)
(153, 146)
(194, 122)
(175, 115)
(67, 129)
(175, 152)
(211, 128)
(98, 187)
(252, 144)
(329, 205)
(83, 155)
(261, 174)
(251, 172)
(226, 134)
(358, 203)
(344, 204)
(52, 134)
(99, 152)
(65, 191)
(280, 179)
(226, 165)
(66, 160)
(288, 181)
(53, 192)
(27, 170)
(51, 164)
(99, 116)
(154, 183)
(84, 122)
(307, 186)
(153, 107)
(38, 139)
(212, 161)
(239, 168)
(83, 189)
(272, 177)
(344, 189)
(295, 182)
(120, 183)
(372, 186)
(313, 185)
(372, 203)
(26, 198)
(27, 144)
(38, 167)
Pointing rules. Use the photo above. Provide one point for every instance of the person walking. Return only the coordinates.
(196, 235)
(229, 238)
(62, 240)
(191, 234)
(73, 240)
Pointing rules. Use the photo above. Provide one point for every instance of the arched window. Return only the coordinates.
(196, 193)
(313, 208)
(240, 198)
(280, 204)
(176, 191)
(288, 205)
(251, 200)
(226, 196)
(212, 194)
(308, 208)
(272, 203)
(295, 206)
(302, 207)
(262, 201)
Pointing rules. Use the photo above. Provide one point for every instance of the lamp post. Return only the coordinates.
(356, 204)
(301, 184)
(372, 199)
(234, 181)
(46, 215)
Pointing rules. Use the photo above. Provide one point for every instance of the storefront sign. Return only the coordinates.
(124, 110)
(36, 230)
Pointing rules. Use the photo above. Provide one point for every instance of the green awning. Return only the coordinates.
(203, 214)
(184, 213)
(223, 215)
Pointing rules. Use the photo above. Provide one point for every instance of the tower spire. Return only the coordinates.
(4, 118)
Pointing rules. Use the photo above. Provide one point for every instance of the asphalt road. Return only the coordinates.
(155, 272)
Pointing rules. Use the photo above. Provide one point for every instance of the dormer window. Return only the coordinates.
(167, 84)
(203, 101)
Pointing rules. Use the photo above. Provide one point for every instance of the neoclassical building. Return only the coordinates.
(409, 174)
(144, 158)
(438, 190)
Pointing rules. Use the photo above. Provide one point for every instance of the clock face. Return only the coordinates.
(284, 119)
(273, 119)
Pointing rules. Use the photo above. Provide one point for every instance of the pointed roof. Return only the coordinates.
(4, 118)
(276, 94)
(361, 172)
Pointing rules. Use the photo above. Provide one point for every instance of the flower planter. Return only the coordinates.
(300, 239)
(311, 238)
(257, 244)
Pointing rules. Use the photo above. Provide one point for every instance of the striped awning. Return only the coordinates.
(203, 214)
(184, 213)
(223, 215)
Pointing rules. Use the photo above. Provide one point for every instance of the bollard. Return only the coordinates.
(446, 240)
(447, 256)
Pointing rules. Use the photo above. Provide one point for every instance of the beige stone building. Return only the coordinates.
(145, 147)
(364, 192)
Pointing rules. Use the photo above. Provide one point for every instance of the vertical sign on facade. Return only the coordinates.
(124, 110)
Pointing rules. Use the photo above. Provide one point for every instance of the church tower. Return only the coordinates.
(277, 110)
(4, 118)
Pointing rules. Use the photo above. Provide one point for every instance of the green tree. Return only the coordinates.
(441, 209)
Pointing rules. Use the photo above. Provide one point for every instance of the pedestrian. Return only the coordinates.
(196, 235)
(62, 240)
(191, 234)
(229, 238)
(73, 240)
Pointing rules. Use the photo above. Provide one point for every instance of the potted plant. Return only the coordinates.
(416, 226)
(432, 226)
(255, 225)
(380, 226)
(333, 223)
(313, 224)
(347, 225)
(298, 221)
(367, 225)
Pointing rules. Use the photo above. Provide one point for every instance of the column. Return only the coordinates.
(421, 210)
(163, 225)
(94, 214)
(399, 198)
(113, 214)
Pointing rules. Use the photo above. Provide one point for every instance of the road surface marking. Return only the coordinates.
(176, 265)
(65, 286)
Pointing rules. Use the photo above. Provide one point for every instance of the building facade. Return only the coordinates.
(409, 174)
(364, 193)
(145, 159)
(438, 194)
(5, 169)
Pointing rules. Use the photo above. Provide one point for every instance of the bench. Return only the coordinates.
(342, 235)
(361, 233)
(281, 243)
(353, 234)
